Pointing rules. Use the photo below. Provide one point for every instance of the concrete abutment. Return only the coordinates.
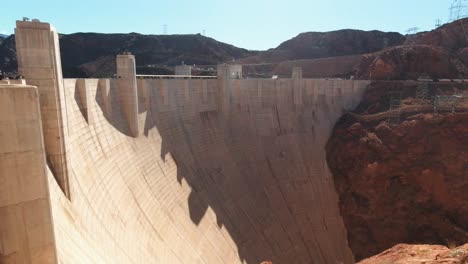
(26, 222)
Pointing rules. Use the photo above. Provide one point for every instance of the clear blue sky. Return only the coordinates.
(251, 24)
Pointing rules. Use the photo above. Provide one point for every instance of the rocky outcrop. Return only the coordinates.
(417, 254)
(440, 53)
(405, 183)
(314, 45)
(437, 54)
(340, 43)
(8, 55)
(397, 63)
(411, 62)
(452, 36)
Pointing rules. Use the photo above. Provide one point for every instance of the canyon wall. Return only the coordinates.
(404, 178)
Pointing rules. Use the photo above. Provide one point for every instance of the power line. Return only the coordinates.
(458, 10)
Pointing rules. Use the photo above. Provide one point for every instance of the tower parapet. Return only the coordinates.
(229, 71)
(128, 93)
(185, 70)
(296, 73)
(38, 55)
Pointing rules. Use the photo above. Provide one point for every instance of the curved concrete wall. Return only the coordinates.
(166, 171)
(223, 171)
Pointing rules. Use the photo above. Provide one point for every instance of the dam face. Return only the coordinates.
(174, 171)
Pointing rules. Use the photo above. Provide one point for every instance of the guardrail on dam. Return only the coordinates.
(166, 171)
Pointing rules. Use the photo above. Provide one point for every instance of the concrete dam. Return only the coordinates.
(131, 170)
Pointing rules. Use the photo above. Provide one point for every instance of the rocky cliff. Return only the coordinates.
(437, 54)
(313, 45)
(8, 55)
(409, 62)
(404, 181)
(416, 254)
(339, 43)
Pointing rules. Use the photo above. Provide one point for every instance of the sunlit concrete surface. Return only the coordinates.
(193, 171)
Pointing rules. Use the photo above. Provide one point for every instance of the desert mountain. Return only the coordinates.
(2, 37)
(440, 53)
(313, 45)
(93, 54)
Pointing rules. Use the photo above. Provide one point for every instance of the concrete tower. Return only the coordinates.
(128, 94)
(296, 73)
(38, 55)
(229, 71)
(185, 70)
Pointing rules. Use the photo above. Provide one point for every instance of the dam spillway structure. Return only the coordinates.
(136, 170)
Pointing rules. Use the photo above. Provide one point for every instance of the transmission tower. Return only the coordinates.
(458, 10)
(394, 95)
(438, 23)
(422, 91)
(164, 29)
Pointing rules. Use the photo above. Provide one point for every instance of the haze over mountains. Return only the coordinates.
(441, 53)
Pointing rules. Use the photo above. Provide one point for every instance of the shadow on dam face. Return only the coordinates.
(254, 161)
(176, 171)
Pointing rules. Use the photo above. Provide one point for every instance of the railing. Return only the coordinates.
(143, 76)
(446, 102)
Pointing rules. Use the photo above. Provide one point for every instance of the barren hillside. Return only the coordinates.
(93, 54)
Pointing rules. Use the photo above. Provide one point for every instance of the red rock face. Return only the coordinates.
(439, 54)
(410, 62)
(416, 254)
(451, 36)
(401, 184)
